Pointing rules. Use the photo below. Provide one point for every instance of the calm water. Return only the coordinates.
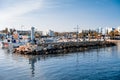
(96, 64)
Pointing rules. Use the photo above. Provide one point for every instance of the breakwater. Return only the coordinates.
(114, 41)
(64, 47)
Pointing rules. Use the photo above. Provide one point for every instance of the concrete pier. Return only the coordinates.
(114, 41)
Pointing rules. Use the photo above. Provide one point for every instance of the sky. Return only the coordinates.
(59, 15)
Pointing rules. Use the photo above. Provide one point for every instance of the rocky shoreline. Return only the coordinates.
(65, 47)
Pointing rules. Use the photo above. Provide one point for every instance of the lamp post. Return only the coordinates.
(32, 34)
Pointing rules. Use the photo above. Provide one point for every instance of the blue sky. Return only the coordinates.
(59, 15)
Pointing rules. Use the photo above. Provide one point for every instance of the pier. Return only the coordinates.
(114, 41)
(62, 47)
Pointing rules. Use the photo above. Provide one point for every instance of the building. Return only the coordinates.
(39, 32)
(24, 32)
(100, 30)
(108, 30)
(50, 33)
(118, 29)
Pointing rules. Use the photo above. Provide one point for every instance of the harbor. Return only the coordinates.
(20, 43)
(59, 39)
(27, 43)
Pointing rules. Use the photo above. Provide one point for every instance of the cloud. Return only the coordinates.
(18, 9)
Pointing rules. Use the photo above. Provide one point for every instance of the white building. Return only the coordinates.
(51, 33)
(118, 29)
(100, 30)
(108, 30)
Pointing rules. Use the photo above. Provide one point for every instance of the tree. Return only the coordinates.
(114, 33)
(6, 30)
(80, 35)
(56, 33)
(37, 35)
(12, 31)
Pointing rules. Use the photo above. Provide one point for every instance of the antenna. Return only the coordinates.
(77, 28)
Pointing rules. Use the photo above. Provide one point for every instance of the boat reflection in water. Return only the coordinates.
(35, 58)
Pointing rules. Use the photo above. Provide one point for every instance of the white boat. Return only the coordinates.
(9, 44)
(48, 40)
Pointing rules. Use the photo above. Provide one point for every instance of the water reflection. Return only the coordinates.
(94, 55)
(32, 61)
(36, 58)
